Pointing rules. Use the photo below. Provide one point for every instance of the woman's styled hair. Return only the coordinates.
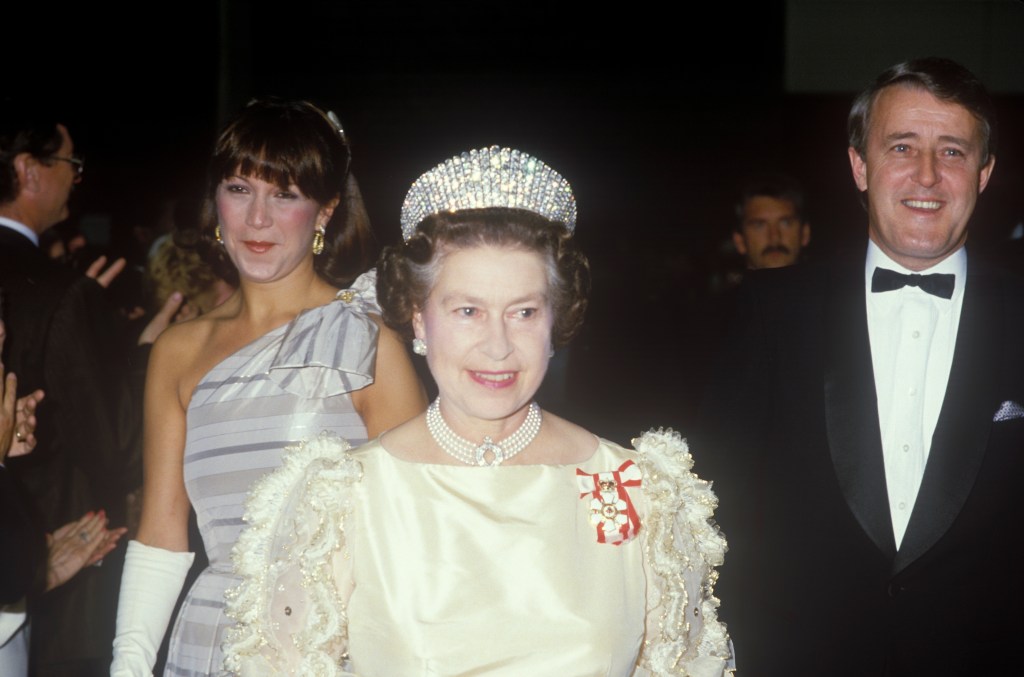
(293, 143)
(177, 268)
(406, 273)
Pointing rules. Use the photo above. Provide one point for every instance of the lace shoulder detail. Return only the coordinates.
(682, 547)
(289, 608)
(331, 349)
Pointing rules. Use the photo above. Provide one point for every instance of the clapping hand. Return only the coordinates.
(17, 415)
(105, 277)
(78, 544)
(25, 424)
(8, 390)
(168, 313)
(173, 310)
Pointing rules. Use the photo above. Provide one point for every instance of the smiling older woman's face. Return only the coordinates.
(487, 325)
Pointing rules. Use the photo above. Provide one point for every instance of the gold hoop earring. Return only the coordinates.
(318, 241)
(216, 235)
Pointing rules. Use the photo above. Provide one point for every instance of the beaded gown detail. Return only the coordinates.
(288, 385)
(359, 563)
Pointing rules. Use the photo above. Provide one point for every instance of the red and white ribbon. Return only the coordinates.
(611, 509)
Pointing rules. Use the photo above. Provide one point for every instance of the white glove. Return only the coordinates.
(150, 586)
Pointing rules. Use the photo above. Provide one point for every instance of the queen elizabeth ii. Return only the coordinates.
(485, 536)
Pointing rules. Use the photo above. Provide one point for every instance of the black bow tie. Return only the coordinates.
(936, 284)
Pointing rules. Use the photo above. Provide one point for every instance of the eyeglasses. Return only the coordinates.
(76, 162)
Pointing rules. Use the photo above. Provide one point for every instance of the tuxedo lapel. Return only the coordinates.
(13, 240)
(851, 409)
(961, 434)
(19, 254)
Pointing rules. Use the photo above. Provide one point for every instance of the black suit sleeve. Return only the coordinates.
(22, 545)
(87, 374)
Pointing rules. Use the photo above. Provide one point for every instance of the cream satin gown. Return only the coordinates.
(360, 563)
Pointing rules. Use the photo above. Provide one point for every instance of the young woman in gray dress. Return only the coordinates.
(287, 356)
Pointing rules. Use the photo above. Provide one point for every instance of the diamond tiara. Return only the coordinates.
(489, 177)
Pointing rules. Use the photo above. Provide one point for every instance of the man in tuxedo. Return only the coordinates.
(63, 337)
(868, 429)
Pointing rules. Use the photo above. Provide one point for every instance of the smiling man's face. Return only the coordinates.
(922, 171)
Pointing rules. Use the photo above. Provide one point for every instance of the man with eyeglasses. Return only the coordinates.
(63, 337)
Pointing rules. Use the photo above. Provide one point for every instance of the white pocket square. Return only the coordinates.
(1008, 411)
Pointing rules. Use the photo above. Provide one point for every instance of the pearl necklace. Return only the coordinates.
(469, 453)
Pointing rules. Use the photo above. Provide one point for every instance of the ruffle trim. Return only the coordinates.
(331, 349)
(285, 559)
(683, 545)
(297, 513)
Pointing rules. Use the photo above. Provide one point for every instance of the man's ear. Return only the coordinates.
(27, 169)
(740, 243)
(986, 173)
(859, 167)
(805, 234)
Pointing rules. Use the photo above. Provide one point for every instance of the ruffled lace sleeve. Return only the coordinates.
(332, 349)
(289, 608)
(682, 547)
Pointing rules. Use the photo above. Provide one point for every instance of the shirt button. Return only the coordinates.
(906, 447)
(902, 505)
(913, 391)
(916, 334)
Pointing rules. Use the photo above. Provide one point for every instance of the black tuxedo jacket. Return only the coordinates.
(813, 583)
(63, 337)
(22, 547)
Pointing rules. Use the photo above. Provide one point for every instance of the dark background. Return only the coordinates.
(653, 113)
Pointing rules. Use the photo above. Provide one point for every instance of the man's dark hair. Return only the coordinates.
(23, 129)
(942, 78)
(778, 186)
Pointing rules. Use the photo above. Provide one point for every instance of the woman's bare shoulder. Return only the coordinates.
(184, 353)
(575, 443)
(185, 338)
(566, 428)
(409, 441)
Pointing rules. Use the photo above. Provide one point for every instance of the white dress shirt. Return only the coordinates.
(19, 228)
(912, 334)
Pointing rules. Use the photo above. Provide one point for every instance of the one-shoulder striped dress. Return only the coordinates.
(286, 386)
